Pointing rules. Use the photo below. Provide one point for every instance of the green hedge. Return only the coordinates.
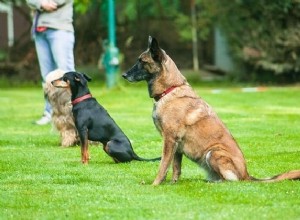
(264, 35)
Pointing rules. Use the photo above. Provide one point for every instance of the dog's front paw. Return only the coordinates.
(174, 181)
(85, 162)
(67, 143)
(155, 183)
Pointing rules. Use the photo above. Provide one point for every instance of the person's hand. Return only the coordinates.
(49, 5)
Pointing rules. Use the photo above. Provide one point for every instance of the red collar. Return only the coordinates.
(80, 99)
(158, 97)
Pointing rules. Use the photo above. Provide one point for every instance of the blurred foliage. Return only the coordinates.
(81, 6)
(15, 2)
(3, 55)
(263, 34)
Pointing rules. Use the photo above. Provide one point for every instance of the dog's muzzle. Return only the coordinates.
(124, 75)
(127, 77)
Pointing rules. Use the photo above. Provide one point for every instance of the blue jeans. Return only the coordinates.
(55, 51)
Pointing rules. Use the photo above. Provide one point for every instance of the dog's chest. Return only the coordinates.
(156, 118)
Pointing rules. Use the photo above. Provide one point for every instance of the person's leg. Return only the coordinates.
(47, 64)
(55, 50)
(62, 46)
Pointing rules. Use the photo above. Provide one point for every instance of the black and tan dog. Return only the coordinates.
(94, 123)
(188, 124)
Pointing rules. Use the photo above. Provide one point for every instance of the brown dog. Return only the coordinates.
(62, 117)
(188, 124)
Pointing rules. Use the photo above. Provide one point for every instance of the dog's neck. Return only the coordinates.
(158, 97)
(81, 98)
(163, 83)
(79, 91)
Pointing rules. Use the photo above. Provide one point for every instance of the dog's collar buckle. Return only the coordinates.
(80, 99)
(158, 97)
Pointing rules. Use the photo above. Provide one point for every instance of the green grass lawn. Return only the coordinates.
(40, 180)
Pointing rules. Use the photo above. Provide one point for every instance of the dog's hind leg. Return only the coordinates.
(176, 166)
(111, 148)
(120, 150)
(222, 166)
(169, 150)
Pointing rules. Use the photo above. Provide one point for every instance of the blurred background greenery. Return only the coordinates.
(241, 40)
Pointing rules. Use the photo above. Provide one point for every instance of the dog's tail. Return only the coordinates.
(291, 175)
(136, 157)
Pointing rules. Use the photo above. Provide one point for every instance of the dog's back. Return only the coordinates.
(96, 119)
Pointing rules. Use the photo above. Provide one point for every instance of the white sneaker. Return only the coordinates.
(45, 119)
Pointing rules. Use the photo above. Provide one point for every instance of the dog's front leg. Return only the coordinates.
(85, 152)
(176, 166)
(84, 147)
(167, 156)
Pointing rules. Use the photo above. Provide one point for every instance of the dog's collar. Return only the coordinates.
(158, 97)
(80, 99)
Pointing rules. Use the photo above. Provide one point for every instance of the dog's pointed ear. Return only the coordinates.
(87, 77)
(149, 41)
(81, 77)
(156, 52)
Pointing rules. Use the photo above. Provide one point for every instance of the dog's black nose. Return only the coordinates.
(124, 75)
